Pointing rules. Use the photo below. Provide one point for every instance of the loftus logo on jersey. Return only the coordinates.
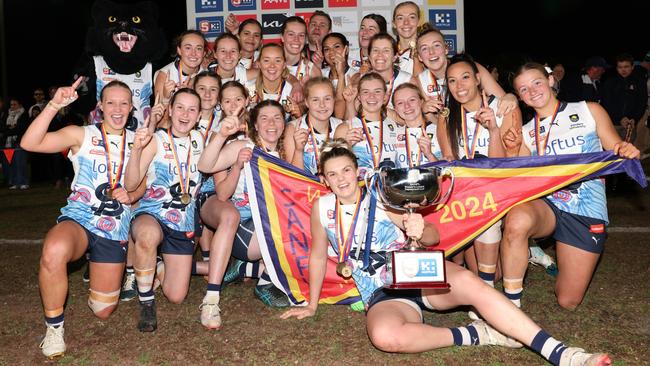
(235, 5)
(210, 26)
(443, 19)
(205, 6)
(275, 4)
(272, 23)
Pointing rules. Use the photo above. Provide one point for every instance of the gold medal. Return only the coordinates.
(186, 199)
(444, 112)
(344, 270)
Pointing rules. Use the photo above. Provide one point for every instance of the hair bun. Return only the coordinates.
(330, 145)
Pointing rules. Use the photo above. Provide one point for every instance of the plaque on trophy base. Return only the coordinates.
(415, 269)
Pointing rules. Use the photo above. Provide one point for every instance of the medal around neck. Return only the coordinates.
(408, 189)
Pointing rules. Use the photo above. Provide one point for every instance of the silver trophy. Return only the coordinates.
(408, 189)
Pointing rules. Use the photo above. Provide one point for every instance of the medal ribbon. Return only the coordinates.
(180, 71)
(389, 89)
(184, 182)
(344, 239)
(208, 128)
(541, 151)
(312, 133)
(109, 168)
(366, 130)
(436, 86)
(469, 153)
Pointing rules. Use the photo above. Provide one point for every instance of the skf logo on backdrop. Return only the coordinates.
(204, 6)
(302, 4)
(341, 3)
(450, 40)
(443, 19)
(271, 23)
(275, 4)
(234, 5)
(210, 26)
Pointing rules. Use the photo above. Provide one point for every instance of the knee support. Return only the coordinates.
(99, 301)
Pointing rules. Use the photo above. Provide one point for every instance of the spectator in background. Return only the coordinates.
(625, 96)
(14, 128)
(39, 100)
(320, 25)
(585, 86)
(558, 75)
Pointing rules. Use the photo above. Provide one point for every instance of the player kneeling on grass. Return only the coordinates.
(97, 216)
(394, 317)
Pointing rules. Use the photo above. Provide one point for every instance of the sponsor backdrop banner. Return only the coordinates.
(209, 16)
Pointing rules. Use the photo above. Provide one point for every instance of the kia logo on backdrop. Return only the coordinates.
(236, 5)
(302, 4)
(210, 26)
(275, 4)
(204, 6)
(271, 23)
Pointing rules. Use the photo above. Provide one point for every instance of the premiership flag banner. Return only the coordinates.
(484, 191)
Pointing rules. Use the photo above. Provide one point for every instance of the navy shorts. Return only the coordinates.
(243, 239)
(174, 241)
(102, 250)
(582, 232)
(200, 201)
(413, 298)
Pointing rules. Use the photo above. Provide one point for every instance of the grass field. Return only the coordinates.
(615, 316)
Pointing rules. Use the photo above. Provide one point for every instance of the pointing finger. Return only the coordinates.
(77, 82)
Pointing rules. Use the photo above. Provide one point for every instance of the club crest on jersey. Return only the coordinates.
(194, 144)
(542, 129)
(574, 118)
(430, 136)
(391, 127)
(130, 145)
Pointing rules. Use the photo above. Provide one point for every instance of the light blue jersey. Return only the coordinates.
(414, 155)
(386, 237)
(163, 196)
(482, 143)
(88, 204)
(572, 132)
(364, 152)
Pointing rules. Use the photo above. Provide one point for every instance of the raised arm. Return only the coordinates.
(211, 159)
(37, 139)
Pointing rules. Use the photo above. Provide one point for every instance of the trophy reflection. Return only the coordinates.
(408, 189)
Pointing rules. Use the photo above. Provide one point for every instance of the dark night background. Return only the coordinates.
(45, 38)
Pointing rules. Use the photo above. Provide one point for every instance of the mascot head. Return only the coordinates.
(126, 35)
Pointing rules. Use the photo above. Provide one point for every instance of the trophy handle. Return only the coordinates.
(444, 172)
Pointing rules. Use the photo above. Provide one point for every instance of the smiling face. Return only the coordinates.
(116, 104)
(432, 51)
(294, 37)
(272, 63)
(534, 88)
(368, 29)
(332, 46)
(184, 113)
(232, 100)
(406, 20)
(191, 50)
(227, 54)
(250, 37)
(462, 82)
(408, 104)
(381, 55)
(320, 101)
(208, 89)
(270, 125)
(372, 95)
(340, 175)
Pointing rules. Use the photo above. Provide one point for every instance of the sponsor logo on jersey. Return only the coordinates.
(330, 214)
(108, 71)
(204, 6)
(443, 19)
(275, 4)
(97, 152)
(401, 137)
(210, 26)
(235, 5)
(166, 146)
(271, 23)
(96, 141)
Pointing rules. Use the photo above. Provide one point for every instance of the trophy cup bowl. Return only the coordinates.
(407, 189)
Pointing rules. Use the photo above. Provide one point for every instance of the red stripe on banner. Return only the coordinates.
(9, 154)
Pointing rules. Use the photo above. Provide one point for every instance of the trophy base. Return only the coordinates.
(418, 269)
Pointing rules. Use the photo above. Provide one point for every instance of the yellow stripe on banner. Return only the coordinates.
(353, 292)
(546, 171)
(274, 222)
(587, 170)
